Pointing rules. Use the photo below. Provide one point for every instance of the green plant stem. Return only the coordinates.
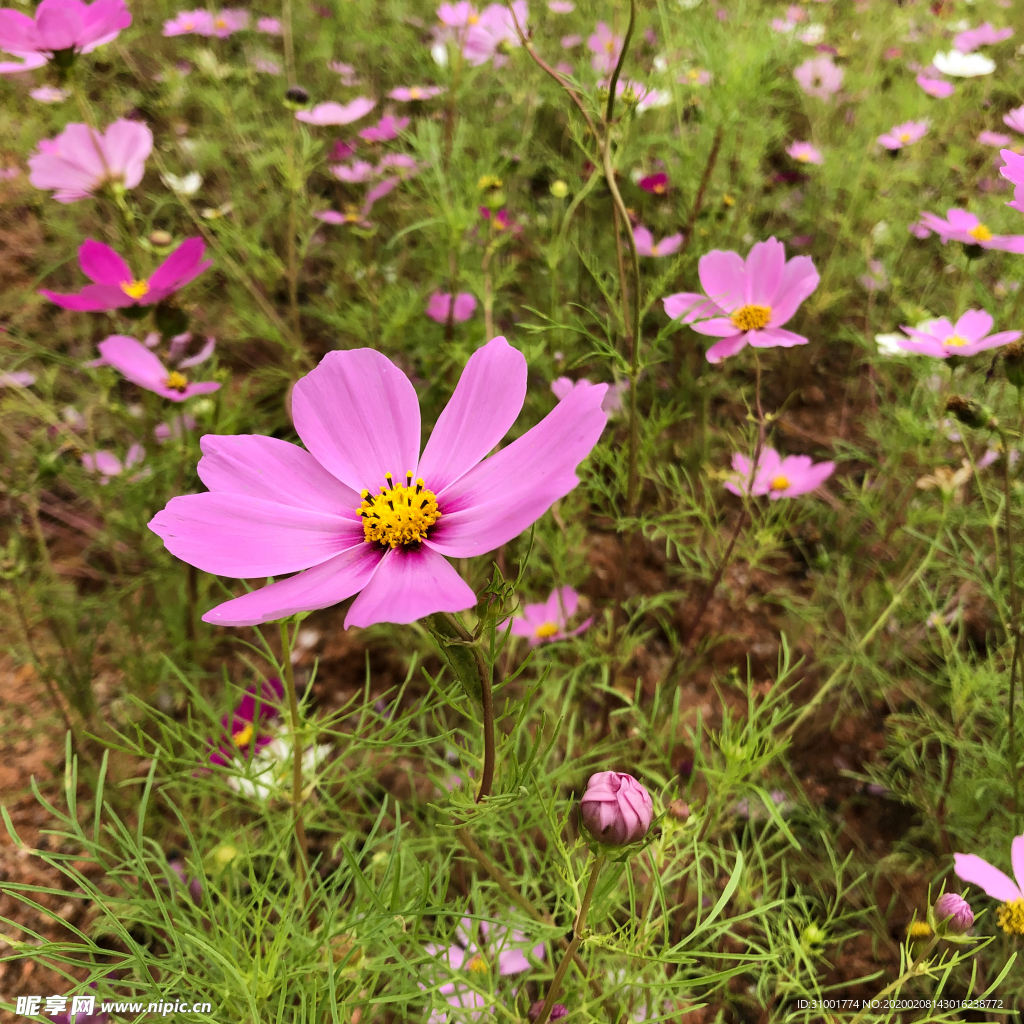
(910, 972)
(1014, 623)
(614, 80)
(302, 857)
(577, 934)
(289, 41)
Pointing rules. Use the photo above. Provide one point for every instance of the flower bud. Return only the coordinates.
(559, 189)
(970, 412)
(296, 97)
(616, 810)
(1013, 363)
(955, 911)
(161, 238)
(558, 1011)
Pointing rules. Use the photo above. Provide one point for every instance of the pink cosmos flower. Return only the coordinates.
(644, 96)
(969, 867)
(360, 510)
(961, 226)
(413, 93)
(988, 138)
(116, 286)
(404, 164)
(272, 26)
(546, 622)
(646, 245)
(903, 134)
(805, 152)
(242, 730)
(965, 338)
(59, 26)
(346, 71)
(658, 183)
(819, 77)
(17, 379)
(357, 171)
(748, 301)
(561, 6)
(493, 33)
(337, 113)
(695, 76)
(266, 67)
(562, 387)
(776, 476)
(616, 809)
(938, 88)
(458, 15)
(386, 129)
(108, 465)
(189, 23)
(439, 306)
(229, 21)
(1013, 170)
(49, 94)
(1015, 119)
(359, 215)
(570, 41)
(606, 47)
(136, 363)
(983, 35)
(174, 428)
(79, 160)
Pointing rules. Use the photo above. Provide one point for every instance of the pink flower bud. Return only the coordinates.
(558, 1011)
(616, 810)
(957, 910)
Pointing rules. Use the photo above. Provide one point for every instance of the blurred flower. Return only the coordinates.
(241, 731)
(606, 47)
(1015, 119)
(558, 1011)
(655, 183)
(969, 867)
(186, 185)
(272, 26)
(439, 306)
(205, 23)
(174, 428)
(274, 508)
(776, 476)
(812, 35)
(342, 150)
(777, 287)
(983, 35)
(266, 67)
(547, 621)
(357, 171)
(955, 911)
(17, 379)
(117, 287)
(346, 71)
(643, 96)
(949, 482)
(936, 87)
(493, 33)
(59, 30)
(194, 886)
(48, 94)
(571, 41)
(988, 138)
(646, 246)
(413, 93)
(136, 363)
(359, 215)
(561, 6)
(876, 278)
(889, 344)
(269, 772)
(967, 337)
(805, 152)
(562, 387)
(336, 113)
(386, 129)
(9, 173)
(615, 809)
(961, 226)
(903, 134)
(80, 160)
(819, 77)
(694, 76)
(404, 164)
(108, 465)
(963, 65)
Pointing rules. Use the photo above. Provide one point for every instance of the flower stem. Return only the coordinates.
(302, 860)
(577, 933)
(614, 81)
(909, 973)
(289, 41)
(1014, 623)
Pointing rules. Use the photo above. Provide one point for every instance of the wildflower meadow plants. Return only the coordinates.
(408, 614)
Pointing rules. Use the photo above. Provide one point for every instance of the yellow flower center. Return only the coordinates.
(488, 181)
(415, 94)
(220, 23)
(904, 136)
(1011, 917)
(803, 156)
(478, 965)
(654, 249)
(545, 629)
(751, 318)
(956, 341)
(399, 515)
(135, 289)
(693, 75)
(980, 232)
(609, 46)
(659, 189)
(243, 737)
(780, 483)
(919, 930)
(177, 381)
(473, 19)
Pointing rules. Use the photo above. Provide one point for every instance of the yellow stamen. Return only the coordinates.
(415, 94)
(654, 249)
(904, 136)
(135, 289)
(243, 737)
(609, 46)
(980, 232)
(956, 341)
(545, 629)
(1010, 917)
(478, 965)
(220, 23)
(919, 930)
(473, 19)
(400, 514)
(177, 381)
(751, 318)
(780, 483)
(488, 181)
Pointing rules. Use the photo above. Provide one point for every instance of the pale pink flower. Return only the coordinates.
(561, 6)
(547, 621)
(358, 170)
(983, 35)
(493, 33)
(967, 337)
(606, 47)
(345, 71)
(9, 173)
(174, 428)
(79, 160)
(136, 363)
(568, 42)
(938, 88)
(189, 23)
(108, 465)
(776, 476)
(1015, 119)
(404, 164)
(805, 152)
(386, 129)
(876, 278)
(819, 77)
(616, 809)
(272, 26)
(414, 93)
(646, 245)
(359, 215)
(644, 96)
(337, 113)
(748, 301)
(229, 21)
(695, 76)
(562, 387)
(987, 138)
(458, 15)
(17, 379)
(59, 26)
(961, 226)
(326, 512)
(266, 67)
(49, 94)
(439, 306)
(903, 134)
(969, 867)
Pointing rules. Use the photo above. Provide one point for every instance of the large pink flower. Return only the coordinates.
(116, 286)
(961, 226)
(983, 35)
(137, 364)
(79, 160)
(776, 476)
(606, 48)
(965, 338)
(547, 621)
(819, 77)
(971, 868)
(492, 32)
(748, 302)
(59, 26)
(337, 113)
(360, 509)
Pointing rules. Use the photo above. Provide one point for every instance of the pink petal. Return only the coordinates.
(134, 361)
(643, 240)
(102, 264)
(775, 337)
(512, 961)
(17, 32)
(359, 416)
(669, 244)
(486, 402)
(183, 265)
(58, 26)
(407, 585)
(503, 495)
(92, 298)
(725, 348)
(973, 325)
(690, 306)
(799, 279)
(716, 327)
(723, 277)
(320, 587)
(1017, 858)
(561, 605)
(242, 537)
(969, 867)
(127, 145)
(765, 264)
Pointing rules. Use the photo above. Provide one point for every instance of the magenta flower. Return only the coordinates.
(412, 93)
(108, 465)
(136, 363)
(965, 338)
(776, 476)
(961, 226)
(242, 729)
(955, 911)
(79, 160)
(748, 302)
(1015, 119)
(805, 152)
(606, 47)
(938, 88)
(819, 77)
(657, 184)
(386, 129)
(271, 26)
(611, 404)
(439, 307)
(59, 27)
(546, 622)
(987, 138)
(983, 35)
(903, 134)
(337, 113)
(116, 286)
(646, 245)
(361, 510)
(969, 867)
(615, 809)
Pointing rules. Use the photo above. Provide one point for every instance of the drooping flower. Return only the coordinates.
(968, 336)
(606, 47)
(657, 184)
(611, 404)
(747, 302)
(969, 867)
(1015, 119)
(136, 363)
(987, 138)
(386, 129)
(439, 306)
(805, 152)
(963, 65)
(955, 911)
(337, 113)
(60, 28)
(616, 809)
(776, 476)
(116, 286)
(79, 160)
(938, 88)
(819, 77)
(242, 731)
(961, 226)
(983, 35)
(646, 245)
(362, 511)
(903, 134)
(108, 465)
(415, 93)
(548, 620)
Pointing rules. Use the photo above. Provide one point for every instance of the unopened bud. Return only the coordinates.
(955, 912)
(616, 810)
(558, 1011)
(679, 809)
(296, 96)
(1013, 363)
(812, 936)
(559, 189)
(970, 412)
(161, 237)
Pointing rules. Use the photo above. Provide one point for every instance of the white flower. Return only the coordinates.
(963, 65)
(188, 185)
(889, 345)
(812, 35)
(269, 772)
(439, 51)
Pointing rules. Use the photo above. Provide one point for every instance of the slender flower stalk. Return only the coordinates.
(1014, 626)
(911, 972)
(302, 847)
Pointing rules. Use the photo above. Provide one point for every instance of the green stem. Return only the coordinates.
(614, 81)
(1014, 622)
(302, 860)
(909, 973)
(289, 41)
